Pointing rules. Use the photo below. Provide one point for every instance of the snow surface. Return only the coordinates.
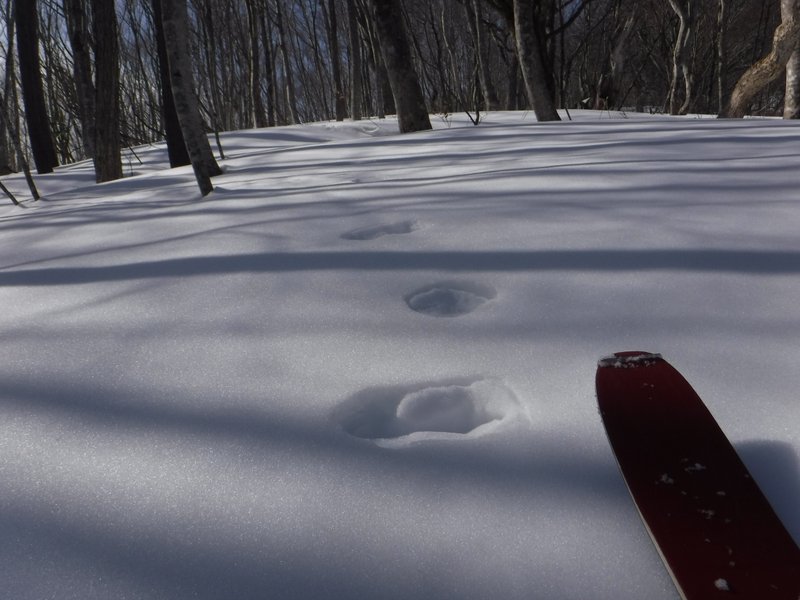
(232, 397)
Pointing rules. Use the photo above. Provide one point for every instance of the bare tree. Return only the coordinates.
(538, 82)
(722, 55)
(8, 122)
(176, 34)
(269, 67)
(39, 131)
(412, 114)
(107, 162)
(288, 77)
(680, 66)
(253, 59)
(7, 145)
(474, 13)
(356, 79)
(791, 103)
(278, 60)
(340, 102)
(766, 70)
(176, 146)
(608, 85)
(78, 30)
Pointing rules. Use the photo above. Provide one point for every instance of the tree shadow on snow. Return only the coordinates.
(753, 262)
(117, 549)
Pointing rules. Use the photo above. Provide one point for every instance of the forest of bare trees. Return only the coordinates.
(83, 78)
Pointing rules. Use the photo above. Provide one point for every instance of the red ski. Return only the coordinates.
(712, 525)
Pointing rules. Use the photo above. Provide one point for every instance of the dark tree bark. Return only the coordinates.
(39, 131)
(608, 92)
(107, 161)
(412, 114)
(7, 124)
(176, 34)
(219, 107)
(538, 81)
(259, 115)
(78, 30)
(176, 146)
(722, 56)
(340, 103)
(269, 66)
(356, 81)
(283, 41)
(473, 10)
(8, 119)
(8, 144)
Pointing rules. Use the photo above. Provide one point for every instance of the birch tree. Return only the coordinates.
(175, 22)
(680, 57)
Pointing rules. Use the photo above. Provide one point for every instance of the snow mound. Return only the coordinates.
(449, 299)
(397, 416)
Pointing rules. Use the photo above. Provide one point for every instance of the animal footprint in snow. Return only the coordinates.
(397, 416)
(449, 298)
(370, 233)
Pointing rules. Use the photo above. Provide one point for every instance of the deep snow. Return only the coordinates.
(364, 366)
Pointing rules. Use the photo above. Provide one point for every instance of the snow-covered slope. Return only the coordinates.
(364, 366)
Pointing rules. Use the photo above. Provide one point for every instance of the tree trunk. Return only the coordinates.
(488, 90)
(78, 31)
(218, 111)
(288, 78)
(107, 161)
(608, 92)
(680, 64)
(356, 81)
(176, 146)
(766, 70)
(259, 115)
(39, 132)
(791, 104)
(9, 120)
(7, 161)
(538, 82)
(340, 102)
(722, 55)
(412, 114)
(176, 34)
(269, 67)
(7, 123)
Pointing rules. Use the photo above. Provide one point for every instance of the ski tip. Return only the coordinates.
(625, 360)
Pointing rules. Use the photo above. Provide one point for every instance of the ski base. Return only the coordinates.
(712, 525)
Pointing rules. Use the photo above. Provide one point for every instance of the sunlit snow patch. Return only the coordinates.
(449, 298)
(397, 416)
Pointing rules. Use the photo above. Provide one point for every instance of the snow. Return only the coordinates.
(449, 299)
(722, 585)
(235, 397)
